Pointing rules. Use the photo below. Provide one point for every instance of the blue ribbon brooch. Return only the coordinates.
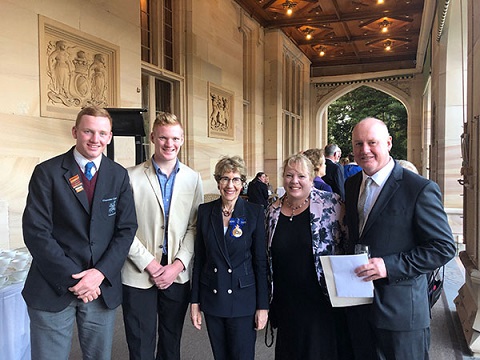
(237, 224)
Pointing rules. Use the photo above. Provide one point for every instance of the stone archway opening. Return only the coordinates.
(399, 89)
(365, 101)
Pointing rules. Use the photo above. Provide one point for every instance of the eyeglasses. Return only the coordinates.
(224, 180)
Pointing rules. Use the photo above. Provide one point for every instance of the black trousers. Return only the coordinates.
(371, 343)
(361, 332)
(143, 309)
(232, 338)
(412, 345)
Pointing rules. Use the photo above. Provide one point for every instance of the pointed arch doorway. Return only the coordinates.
(400, 89)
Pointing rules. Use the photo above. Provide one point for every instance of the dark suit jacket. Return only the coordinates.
(66, 236)
(334, 177)
(258, 192)
(230, 273)
(408, 228)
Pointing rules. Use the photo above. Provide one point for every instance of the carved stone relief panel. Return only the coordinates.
(76, 70)
(220, 113)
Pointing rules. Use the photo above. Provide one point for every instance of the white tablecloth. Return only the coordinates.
(14, 324)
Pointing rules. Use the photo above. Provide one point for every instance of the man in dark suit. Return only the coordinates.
(407, 231)
(334, 171)
(258, 190)
(78, 224)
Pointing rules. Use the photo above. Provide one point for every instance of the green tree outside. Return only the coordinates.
(345, 112)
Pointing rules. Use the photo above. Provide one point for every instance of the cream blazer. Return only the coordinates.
(187, 196)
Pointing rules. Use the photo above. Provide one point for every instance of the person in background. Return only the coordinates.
(408, 165)
(406, 228)
(351, 168)
(78, 225)
(344, 161)
(230, 271)
(334, 171)
(318, 161)
(258, 190)
(269, 186)
(302, 226)
(156, 275)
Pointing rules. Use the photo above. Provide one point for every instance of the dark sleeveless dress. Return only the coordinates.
(305, 318)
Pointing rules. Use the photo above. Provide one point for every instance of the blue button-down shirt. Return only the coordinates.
(166, 186)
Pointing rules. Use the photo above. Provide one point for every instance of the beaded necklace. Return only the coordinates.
(295, 207)
(226, 212)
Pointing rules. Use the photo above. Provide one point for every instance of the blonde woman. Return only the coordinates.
(317, 157)
(302, 226)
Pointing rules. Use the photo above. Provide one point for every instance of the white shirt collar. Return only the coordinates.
(82, 161)
(381, 176)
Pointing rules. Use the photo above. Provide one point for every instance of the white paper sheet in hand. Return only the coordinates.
(347, 283)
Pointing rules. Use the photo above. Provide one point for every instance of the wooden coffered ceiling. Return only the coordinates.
(347, 36)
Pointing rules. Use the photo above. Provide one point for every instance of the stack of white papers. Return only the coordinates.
(345, 288)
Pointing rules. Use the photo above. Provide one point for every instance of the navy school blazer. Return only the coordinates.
(65, 235)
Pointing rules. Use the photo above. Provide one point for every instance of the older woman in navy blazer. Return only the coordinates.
(229, 283)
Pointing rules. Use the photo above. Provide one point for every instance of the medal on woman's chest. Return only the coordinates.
(237, 232)
(237, 224)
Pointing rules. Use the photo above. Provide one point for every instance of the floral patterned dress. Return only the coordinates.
(307, 326)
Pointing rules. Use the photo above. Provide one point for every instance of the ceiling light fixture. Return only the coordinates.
(388, 45)
(321, 51)
(384, 25)
(308, 33)
(289, 5)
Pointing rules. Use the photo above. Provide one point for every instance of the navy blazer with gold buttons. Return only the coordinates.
(230, 269)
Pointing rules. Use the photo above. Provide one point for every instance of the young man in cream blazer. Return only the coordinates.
(156, 275)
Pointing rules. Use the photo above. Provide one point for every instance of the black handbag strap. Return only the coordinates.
(272, 334)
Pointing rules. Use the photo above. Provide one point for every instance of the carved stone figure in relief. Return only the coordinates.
(79, 84)
(98, 75)
(219, 117)
(226, 113)
(59, 66)
(76, 76)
